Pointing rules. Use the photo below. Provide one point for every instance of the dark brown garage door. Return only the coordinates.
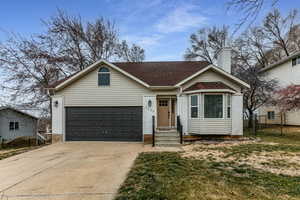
(104, 124)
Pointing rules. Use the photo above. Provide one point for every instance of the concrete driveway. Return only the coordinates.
(68, 171)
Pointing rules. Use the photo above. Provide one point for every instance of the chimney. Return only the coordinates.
(224, 59)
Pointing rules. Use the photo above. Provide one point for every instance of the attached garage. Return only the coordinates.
(104, 124)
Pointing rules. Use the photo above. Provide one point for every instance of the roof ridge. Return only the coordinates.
(171, 61)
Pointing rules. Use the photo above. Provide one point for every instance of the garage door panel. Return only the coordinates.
(104, 123)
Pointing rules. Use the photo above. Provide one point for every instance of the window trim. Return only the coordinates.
(229, 106)
(272, 116)
(100, 73)
(197, 106)
(295, 61)
(223, 106)
(16, 126)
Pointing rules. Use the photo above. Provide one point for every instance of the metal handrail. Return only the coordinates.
(179, 129)
(153, 130)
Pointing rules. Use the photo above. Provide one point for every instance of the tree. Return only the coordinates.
(288, 98)
(69, 45)
(279, 30)
(85, 43)
(206, 43)
(26, 74)
(250, 9)
(260, 92)
(249, 54)
(130, 54)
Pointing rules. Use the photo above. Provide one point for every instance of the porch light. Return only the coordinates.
(149, 103)
(55, 104)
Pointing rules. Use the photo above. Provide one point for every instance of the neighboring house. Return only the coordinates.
(116, 101)
(286, 72)
(15, 123)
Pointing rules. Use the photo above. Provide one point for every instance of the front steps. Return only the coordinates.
(167, 138)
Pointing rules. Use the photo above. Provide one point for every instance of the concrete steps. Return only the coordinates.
(167, 138)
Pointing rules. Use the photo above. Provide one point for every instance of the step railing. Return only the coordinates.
(179, 129)
(153, 130)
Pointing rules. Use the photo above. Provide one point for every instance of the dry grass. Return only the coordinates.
(8, 152)
(265, 170)
(278, 162)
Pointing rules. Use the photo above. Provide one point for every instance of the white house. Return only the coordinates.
(117, 101)
(286, 72)
(15, 123)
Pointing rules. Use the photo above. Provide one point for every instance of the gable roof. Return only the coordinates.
(163, 73)
(208, 86)
(152, 74)
(16, 110)
(286, 59)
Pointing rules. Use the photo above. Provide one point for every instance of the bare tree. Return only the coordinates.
(26, 74)
(82, 44)
(130, 54)
(261, 88)
(69, 45)
(250, 9)
(279, 30)
(206, 43)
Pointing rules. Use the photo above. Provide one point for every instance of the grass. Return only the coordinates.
(8, 152)
(168, 175)
(272, 135)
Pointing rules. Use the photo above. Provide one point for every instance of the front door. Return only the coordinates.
(163, 112)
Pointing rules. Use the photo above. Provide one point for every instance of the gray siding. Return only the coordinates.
(27, 125)
(122, 91)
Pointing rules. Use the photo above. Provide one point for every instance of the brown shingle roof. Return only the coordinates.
(208, 85)
(158, 73)
(162, 73)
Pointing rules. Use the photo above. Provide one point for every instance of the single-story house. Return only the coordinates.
(118, 101)
(15, 123)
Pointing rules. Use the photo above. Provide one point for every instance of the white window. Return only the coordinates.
(13, 126)
(103, 76)
(228, 106)
(213, 106)
(295, 61)
(194, 106)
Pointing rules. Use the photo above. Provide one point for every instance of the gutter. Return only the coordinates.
(163, 87)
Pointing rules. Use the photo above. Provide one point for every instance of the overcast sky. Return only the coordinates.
(161, 27)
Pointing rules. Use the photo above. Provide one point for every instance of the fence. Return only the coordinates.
(274, 123)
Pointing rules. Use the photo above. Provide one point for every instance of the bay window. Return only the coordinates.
(213, 106)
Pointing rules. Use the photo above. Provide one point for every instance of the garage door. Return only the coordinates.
(104, 123)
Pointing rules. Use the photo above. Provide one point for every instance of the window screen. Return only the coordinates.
(213, 106)
(103, 77)
(194, 106)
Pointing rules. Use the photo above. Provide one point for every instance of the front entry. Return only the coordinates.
(166, 112)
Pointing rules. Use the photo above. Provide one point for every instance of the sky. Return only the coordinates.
(161, 27)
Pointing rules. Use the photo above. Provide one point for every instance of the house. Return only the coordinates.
(286, 72)
(15, 123)
(117, 101)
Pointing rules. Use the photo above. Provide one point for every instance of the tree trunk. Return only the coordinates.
(250, 120)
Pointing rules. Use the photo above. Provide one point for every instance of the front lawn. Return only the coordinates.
(269, 169)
